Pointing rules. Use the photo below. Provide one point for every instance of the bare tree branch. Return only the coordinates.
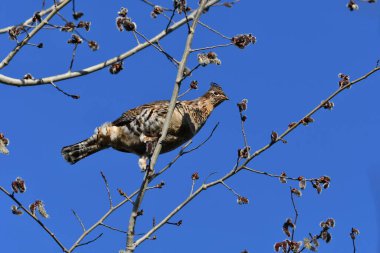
(211, 47)
(30, 20)
(236, 169)
(47, 230)
(10, 56)
(79, 220)
(68, 75)
(107, 187)
(91, 241)
(130, 247)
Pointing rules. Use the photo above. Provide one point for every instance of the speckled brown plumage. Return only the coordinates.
(135, 128)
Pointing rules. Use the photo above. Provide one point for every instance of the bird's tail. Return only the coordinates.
(78, 151)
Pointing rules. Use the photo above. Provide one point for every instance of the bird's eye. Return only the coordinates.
(216, 93)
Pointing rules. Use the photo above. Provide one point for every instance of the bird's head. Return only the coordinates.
(216, 95)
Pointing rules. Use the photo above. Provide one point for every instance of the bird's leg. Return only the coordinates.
(150, 145)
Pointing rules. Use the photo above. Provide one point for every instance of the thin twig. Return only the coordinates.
(243, 130)
(79, 220)
(230, 189)
(184, 93)
(91, 241)
(107, 188)
(64, 92)
(190, 72)
(276, 175)
(99, 222)
(74, 11)
(130, 247)
(180, 153)
(203, 142)
(171, 18)
(159, 48)
(210, 47)
(295, 212)
(148, 3)
(213, 30)
(192, 186)
(73, 57)
(112, 228)
(137, 39)
(187, 20)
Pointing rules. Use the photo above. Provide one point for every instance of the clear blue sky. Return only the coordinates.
(301, 47)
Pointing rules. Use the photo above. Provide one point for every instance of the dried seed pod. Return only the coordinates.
(294, 246)
(296, 192)
(75, 39)
(194, 85)
(242, 200)
(157, 10)
(160, 185)
(123, 12)
(195, 176)
(41, 208)
(282, 178)
(68, 27)
(288, 224)
(93, 45)
(15, 31)
(308, 245)
(328, 105)
(84, 24)
(37, 17)
(330, 222)
(209, 58)
(244, 152)
(307, 120)
(317, 186)
(125, 23)
(292, 124)
(352, 6)
(326, 236)
(243, 105)
(354, 233)
(280, 246)
(116, 67)
(302, 182)
(32, 208)
(16, 210)
(18, 185)
(274, 137)
(243, 40)
(28, 76)
(77, 15)
(344, 80)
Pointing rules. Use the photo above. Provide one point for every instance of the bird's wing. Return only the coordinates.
(146, 118)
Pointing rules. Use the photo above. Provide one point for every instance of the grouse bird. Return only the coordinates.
(138, 127)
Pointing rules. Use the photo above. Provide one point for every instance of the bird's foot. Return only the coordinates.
(143, 162)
